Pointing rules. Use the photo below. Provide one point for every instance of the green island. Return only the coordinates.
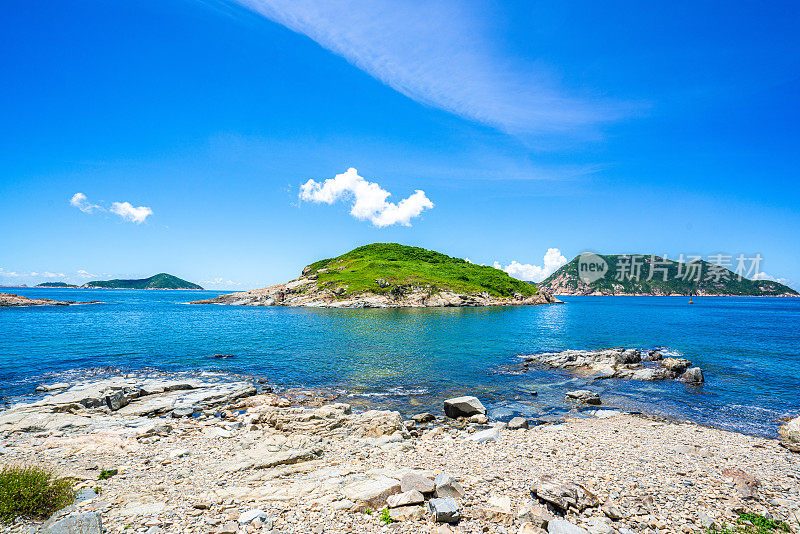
(56, 284)
(385, 267)
(158, 281)
(681, 279)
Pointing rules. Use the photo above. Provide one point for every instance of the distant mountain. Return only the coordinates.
(158, 281)
(55, 284)
(645, 275)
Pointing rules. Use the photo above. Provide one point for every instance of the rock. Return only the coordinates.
(599, 525)
(613, 511)
(518, 423)
(447, 486)
(230, 527)
(584, 395)
(650, 373)
(183, 412)
(478, 418)
(746, 485)
(530, 528)
(444, 510)
(404, 499)
(490, 434)
(85, 494)
(52, 387)
(564, 495)
(537, 514)
(463, 407)
(245, 518)
(117, 400)
(371, 492)
(423, 417)
(693, 375)
(413, 481)
(75, 523)
(407, 513)
(179, 453)
(705, 520)
(153, 530)
(791, 430)
(561, 526)
(676, 365)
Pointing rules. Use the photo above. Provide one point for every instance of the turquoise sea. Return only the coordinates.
(409, 359)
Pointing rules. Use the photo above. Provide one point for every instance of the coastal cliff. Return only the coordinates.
(388, 275)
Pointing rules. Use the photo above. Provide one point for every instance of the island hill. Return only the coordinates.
(714, 280)
(389, 275)
(158, 281)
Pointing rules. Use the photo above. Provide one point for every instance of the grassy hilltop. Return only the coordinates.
(385, 267)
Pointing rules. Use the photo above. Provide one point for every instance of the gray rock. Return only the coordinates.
(447, 486)
(463, 407)
(404, 499)
(791, 430)
(423, 417)
(444, 510)
(564, 495)
(537, 514)
(118, 399)
(584, 395)
(407, 513)
(371, 492)
(84, 495)
(518, 423)
(414, 481)
(52, 387)
(245, 518)
(153, 530)
(560, 526)
(183, 412)
(86, 523)
(490, 434)
(705, 520)
(693, 375)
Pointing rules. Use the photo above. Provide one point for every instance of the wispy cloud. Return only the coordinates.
(441, 54)
(219, 282)
(126, 210)
(369, 199)
(553, 259)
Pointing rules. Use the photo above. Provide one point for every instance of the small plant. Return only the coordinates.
(32, 492)
(385, 517)
(106, 474)
(748, 523)
(98, 490)
(369, 511)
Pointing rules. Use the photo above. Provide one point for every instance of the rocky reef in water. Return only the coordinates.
(10, 299)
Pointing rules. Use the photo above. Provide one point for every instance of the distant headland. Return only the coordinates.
(638, 274)
(389, 275)
(158, 281)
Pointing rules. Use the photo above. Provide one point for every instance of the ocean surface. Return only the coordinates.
(410, 359)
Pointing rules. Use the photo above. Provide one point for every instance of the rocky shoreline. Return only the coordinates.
(195, 455)
(10, 299)
(304, 292)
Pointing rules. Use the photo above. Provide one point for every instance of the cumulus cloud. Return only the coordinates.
(369, 199)
(80, 201)
(126, 210)
(130, 213)
(553, 259)
(84, 274)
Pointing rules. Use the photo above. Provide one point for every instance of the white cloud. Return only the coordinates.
(553, 259)
(219, 281)
(84, 274)
(124, 209)
(369, 199)
(445, 55)
(130, 213)
(80, 201)
(765, 276)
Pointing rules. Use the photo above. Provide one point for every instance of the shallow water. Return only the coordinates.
(410, 359)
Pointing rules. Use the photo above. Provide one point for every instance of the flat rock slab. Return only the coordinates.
(560, 526)
(371, 492)
(88, 523)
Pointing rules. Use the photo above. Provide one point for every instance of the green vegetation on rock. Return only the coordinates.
(749, 523)
(388, 267)
(622, 277)
(158, 281)
(32, 492)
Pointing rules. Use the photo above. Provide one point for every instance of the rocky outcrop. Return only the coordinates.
(305, 292)
(791, 431)
(10, 299)
(623, 363)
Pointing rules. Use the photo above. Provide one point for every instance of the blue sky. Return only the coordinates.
(615, 127)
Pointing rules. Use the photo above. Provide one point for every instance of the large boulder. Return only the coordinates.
(693, 375)
(371, 492)
(791, 430)
(463, 407)
(444, 510)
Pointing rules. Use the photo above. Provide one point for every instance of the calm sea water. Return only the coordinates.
(410, 359)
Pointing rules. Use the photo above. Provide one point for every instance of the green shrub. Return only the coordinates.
(32, 492)
(107, 473)
(385, 517)
(748, 523)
